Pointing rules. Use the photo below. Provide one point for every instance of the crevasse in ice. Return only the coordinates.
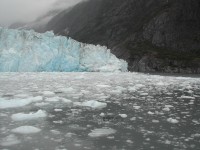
(28, 51)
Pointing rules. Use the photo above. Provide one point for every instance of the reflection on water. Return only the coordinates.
(142, 111)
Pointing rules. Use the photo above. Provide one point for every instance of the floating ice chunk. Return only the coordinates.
(26, 130)
(129, 141)
(169, 106)
(37, 99)
(191, 103)
(10, 140)
(102, 114)
(66, 100)
(93, 104)
(187, 97)
(197, 135)
(195, 121)
(138, 86)
(132, 89)
(144, 94)
(52, 99)
(123, 115)
(58, 122)
(160, 83)
(55, 132)
(102, 132)
(110, 137)
(30, 116)
(48, 93)
(155, 121)
(66, 90)
(166, 109)
(13, 103)
(22, 95)
(133, 119)
(150, 113)
(136, 107)
(103, 86)
(41, 104)
(171, 120)
(3, 115)
(167, 142)
(58, 110)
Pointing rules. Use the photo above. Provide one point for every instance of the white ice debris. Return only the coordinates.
(136, 107)
(30, 116)
(187, 97)
(48, 93)
(102, 114)
(155, 121)
(26, 130)
(150, 113)
(66, 100)
(13, 103)
(103, 86)
(52, 99)
(92, 104)
(58, 110)
(123, 115)
(102, 132)
(56, 132)
(10, 140)
(171, 120)
(166, 109)
(129, 141)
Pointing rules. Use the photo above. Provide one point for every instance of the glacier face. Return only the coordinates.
(28, 51)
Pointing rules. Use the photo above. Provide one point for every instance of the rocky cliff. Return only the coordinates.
(152, 35)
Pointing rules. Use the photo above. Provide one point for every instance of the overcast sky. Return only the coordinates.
(12, 11)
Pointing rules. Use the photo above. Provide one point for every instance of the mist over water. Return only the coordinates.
(12, 11)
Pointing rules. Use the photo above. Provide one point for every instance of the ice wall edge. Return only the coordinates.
(28, 51)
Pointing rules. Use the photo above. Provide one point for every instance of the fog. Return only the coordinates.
(12, 11)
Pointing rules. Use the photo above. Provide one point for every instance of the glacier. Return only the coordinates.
(28, 51)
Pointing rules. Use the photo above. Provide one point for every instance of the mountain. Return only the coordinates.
(28, 51)
(151, 35)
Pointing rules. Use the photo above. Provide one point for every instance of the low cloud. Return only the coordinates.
(12, 11)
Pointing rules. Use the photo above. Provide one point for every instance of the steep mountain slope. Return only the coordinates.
(152, 35)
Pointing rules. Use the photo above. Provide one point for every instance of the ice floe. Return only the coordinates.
(102, 132)
(14, 103)
(26, 130)
(171, 120)
(123, 115)
(10, 140)
(29, 116)
(92, 104)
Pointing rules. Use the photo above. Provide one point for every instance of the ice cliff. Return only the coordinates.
(28, 51)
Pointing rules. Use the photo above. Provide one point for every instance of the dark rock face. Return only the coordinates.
(151, 35)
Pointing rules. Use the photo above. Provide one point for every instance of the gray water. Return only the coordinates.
(163, 112)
